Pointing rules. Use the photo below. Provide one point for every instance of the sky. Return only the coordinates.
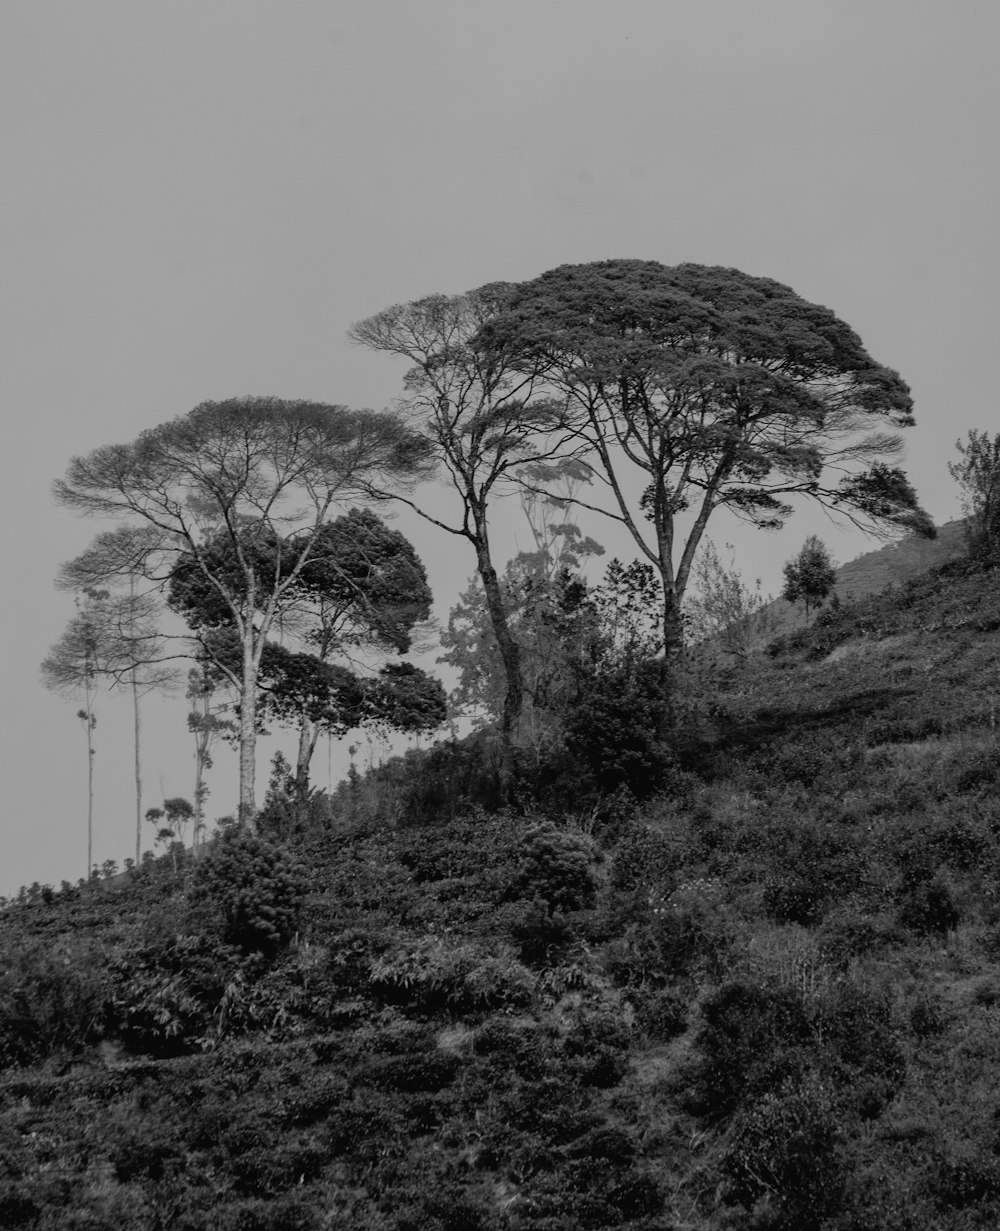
(198, 198)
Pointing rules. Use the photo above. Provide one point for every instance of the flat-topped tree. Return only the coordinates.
(239, 469)
(702, 388)
(363, 588)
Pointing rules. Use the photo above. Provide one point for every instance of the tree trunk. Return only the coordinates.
(138, 769)
(248, 736)
(510, 654)
(308, 733)
(90, 794)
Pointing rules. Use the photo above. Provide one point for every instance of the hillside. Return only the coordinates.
(763, 997)
(873, 572)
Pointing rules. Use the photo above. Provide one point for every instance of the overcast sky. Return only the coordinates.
(198, 197)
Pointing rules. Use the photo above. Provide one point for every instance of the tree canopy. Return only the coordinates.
(250, 470)
(362, 587)
(717, 390)
(486, 417)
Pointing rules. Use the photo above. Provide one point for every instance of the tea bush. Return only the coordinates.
(51, 998)
(751, 1040)
(254, 890)
(786, 1149)
(557, 866)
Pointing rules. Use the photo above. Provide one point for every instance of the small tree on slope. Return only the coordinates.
(810, 575)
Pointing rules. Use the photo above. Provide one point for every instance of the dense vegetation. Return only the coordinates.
(751, 982)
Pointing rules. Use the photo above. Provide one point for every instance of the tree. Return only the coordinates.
(93, 646)
(483, 415)
(547, 616)
(250, 470)
(978, 474)
(724, 609)
(130, 623)
(811, 575)
(716, 389)
(567, 632)
(206, 726)
(363, 588)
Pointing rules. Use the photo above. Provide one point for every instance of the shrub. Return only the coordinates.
(657, 944)
(645, 859)
(661, 1014)
(786, 1149)
(51, 997)
(857, 1028)
(612, 734)
(253, 889)
(435, 975)
(557, 867)
(164, 997)
(928, 908)
(750, 1040)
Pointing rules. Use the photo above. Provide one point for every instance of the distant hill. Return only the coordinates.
(871, 573)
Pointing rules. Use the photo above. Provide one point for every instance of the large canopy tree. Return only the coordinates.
(363, 588)
(242, 469)
(485, 418)
(700, 388)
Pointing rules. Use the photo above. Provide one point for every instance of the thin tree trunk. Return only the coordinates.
(248, 736)
(307, 742)
(510, 654)
(201, 740)
(138, 769)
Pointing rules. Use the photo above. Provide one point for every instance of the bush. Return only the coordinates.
(434, 975)
(661, 1014)
(786, 1150)
(858, 1031)
(612, 736)
(656, 944)
(557, 866)
(750, 1041)
(51, 997)
(646, 859)
(928, 908)
(254, 891)
(164, 997)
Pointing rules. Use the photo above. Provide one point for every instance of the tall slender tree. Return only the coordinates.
(250, 470)
(72, 668)
(131, 624)
(486, 419)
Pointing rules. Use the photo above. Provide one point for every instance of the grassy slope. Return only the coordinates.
(767, 999)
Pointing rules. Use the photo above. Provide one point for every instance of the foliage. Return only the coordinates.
(437, 975)
(720, 389)
(787, 1149)
(480, 411)
(977, 473)
(810, 575)
(613, 731)
(557, 866)
(51, 998)
(252, 474)
(724, 609)
(254, 890)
